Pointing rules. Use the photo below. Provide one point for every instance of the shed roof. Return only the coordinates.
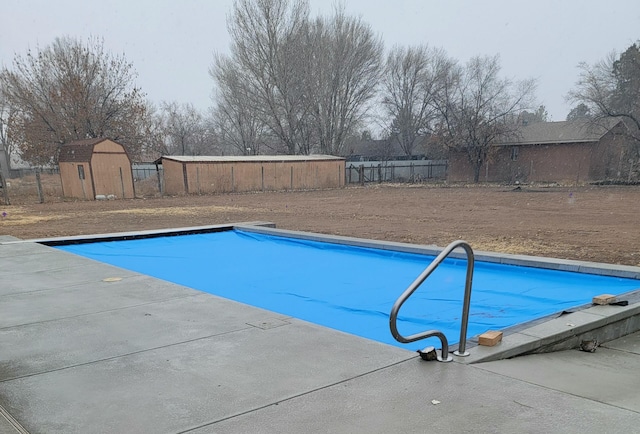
(541, 133)
(79, 150)
(247, 158)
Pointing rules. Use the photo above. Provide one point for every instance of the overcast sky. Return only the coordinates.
(171, 43)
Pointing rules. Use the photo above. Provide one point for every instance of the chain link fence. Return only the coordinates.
(361, 172)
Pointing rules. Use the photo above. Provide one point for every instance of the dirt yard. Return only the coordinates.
(588, 223)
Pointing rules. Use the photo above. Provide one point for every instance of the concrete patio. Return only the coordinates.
(90, 348)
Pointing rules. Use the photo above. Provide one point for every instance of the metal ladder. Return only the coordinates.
(445, 357)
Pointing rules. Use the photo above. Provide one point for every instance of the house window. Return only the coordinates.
(80, 171)
(514, 153)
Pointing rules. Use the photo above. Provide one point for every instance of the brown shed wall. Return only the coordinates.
(173, 177)
(72, 185)
(205, 177)
(107, 172)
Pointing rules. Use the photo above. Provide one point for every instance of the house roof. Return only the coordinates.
(541, 133)
(382, 148)
(372, 147)
(252, 158)
(80, 150)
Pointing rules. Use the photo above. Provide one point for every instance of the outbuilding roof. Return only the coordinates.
(247, 158)
(78, 151)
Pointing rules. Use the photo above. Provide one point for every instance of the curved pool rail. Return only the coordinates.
(393, 317)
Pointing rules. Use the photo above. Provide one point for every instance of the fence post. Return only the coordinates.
(379, 173)
(159, 180)
(39, 186)
(361, 174)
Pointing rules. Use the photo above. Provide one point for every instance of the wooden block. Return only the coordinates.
(490, 338)
(604, 299)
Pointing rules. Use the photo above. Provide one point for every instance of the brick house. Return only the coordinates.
(567, 151)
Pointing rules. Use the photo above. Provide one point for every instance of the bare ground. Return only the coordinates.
(587, 223)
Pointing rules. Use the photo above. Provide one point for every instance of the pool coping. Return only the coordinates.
(626, 271)
(152, 233)
(561, 331)
(557, 332)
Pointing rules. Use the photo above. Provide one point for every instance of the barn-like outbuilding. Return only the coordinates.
(95, 168)
(226, 174)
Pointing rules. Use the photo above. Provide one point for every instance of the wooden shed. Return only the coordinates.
(188, 174)
(95, 168)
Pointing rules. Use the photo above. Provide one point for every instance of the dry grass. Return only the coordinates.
(178, 211)
(517, 247)
(583, 223)
(147, 187)
(16, 215)
(25, 190)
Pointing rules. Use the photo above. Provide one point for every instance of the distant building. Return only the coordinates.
(225, 174)
(95, 167)
(568, 151)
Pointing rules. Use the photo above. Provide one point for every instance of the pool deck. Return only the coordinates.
(91, 348)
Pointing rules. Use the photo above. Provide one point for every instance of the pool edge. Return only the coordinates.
(556, 332)
(565, 332)
(584, 267)
(151, 233)
(603, 323)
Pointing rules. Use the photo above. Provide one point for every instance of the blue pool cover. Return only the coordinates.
(352, 289)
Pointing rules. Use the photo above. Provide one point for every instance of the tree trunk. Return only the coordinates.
(476, 171)
(5, 162)
(4, 190)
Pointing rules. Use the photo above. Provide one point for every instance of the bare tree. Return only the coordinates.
(305, 83)
(265, 46)
(184, 130)
(152, 142)
(413, 77)
(343, 63)
(236, 121)
(611, 89)
(207, 141)
(6, 146)
(69, 91)
(477, 108)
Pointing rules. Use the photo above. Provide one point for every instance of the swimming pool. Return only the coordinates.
(352, 288)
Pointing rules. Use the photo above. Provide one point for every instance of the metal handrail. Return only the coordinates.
(393, 318)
